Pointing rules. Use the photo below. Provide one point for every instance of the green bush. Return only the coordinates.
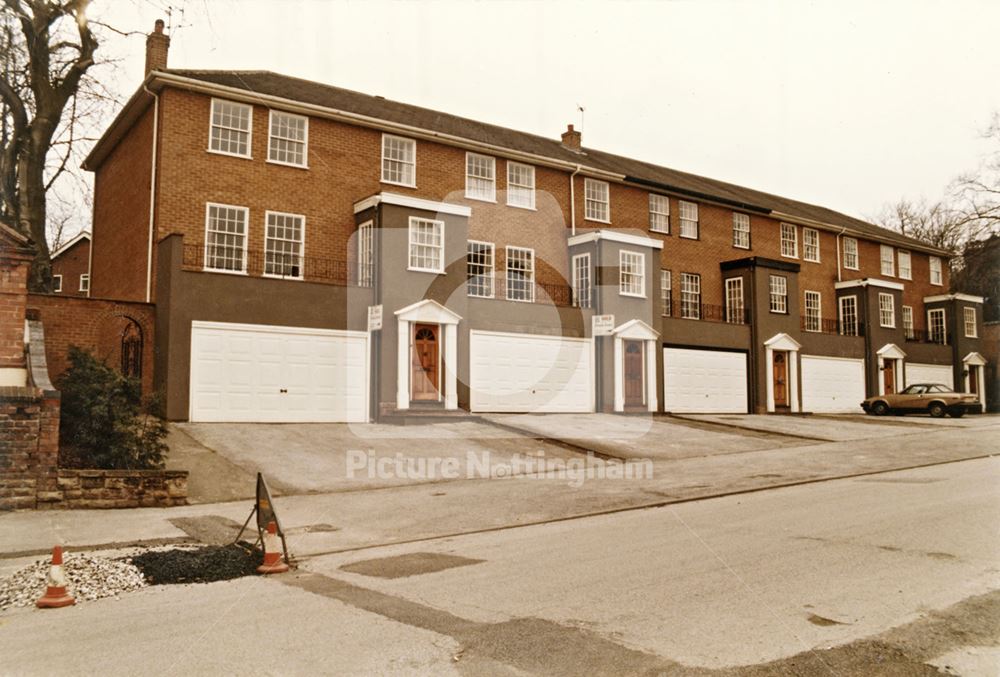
(104, 422)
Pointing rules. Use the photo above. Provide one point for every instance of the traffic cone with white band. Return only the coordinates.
(273, 561)
(55, 595)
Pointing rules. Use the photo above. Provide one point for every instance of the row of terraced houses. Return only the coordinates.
(268, 217)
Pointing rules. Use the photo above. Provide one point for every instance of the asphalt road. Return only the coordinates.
(818, 575)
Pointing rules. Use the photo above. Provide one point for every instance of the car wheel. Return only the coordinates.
(936, 409)
(957, 413)
(880, 409)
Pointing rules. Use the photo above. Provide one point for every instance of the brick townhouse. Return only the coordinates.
(71, 266)
(264, 215)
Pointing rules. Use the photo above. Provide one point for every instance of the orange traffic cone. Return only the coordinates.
(273, 562)
(55, 595)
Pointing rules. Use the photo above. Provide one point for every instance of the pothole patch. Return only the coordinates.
(411, 564)
(199, 565)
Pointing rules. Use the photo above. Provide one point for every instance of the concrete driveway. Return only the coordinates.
(315, 457)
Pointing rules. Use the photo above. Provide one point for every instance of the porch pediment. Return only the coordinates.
(782, 341)
(891, 351)
(974, 359)
(429, 311)
(636, 329)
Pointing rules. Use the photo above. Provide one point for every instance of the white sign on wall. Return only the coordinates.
(603, 325)
(375, 317)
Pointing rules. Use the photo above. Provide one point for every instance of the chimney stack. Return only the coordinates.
(157, 45)
(571, 139)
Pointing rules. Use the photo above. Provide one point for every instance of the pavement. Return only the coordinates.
(423, 508)
(892, 572)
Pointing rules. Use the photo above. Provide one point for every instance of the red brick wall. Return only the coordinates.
(121, 216)
(13, 297)
(71, 264)
(344, 167)
(29, 446)
(93, 324)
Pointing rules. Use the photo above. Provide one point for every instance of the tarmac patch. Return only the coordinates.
(412, 564)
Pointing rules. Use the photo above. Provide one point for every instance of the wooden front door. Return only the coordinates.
(889, 376)
(424, 376)
(780, 379)
(974, 381)
(634, 392)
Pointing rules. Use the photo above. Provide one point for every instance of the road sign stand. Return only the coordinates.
(263, 508)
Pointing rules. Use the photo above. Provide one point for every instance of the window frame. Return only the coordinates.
(777, 299)
(302, 245)
(934, 312)
(246, 239)
(580, 281)
(731, 314)
(666, 299)
(492, 164)
(939, 269)
(84, 283)
(305, 139)
(513, 165)
(886, 311)
(507, 270)
(382, 160)
(57, 284)
(656, 197)
(856, 321)
(492, 270)
(807, 317)
(686, 303)
(856, 253)
(737, 230)
(681, 204)
(588, 200)
(887, 262)
(410, 244)
(794, 230)
(248, 131)
(909, 332)
(806, 232)
(900, 254)
(366, 254)
(640, 276)
(966, 311)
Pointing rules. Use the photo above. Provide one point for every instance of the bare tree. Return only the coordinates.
(969, 212)
(47, 48)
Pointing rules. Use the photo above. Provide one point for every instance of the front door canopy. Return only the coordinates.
(782, 342)
(637, 330)
(428, 311)
(890, 351)
(974, 359)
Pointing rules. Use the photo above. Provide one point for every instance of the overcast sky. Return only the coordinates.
(846, 104)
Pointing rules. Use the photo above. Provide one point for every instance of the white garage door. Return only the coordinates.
(530, 373)
(704, 381)
(832, 385)
(258, 373)
(929, 373)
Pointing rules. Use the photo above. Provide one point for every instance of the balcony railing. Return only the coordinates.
(523, 291)
(707, 313)
(921, 336)
(815, 325)
(257, 263)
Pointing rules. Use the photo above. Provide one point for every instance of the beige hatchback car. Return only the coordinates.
(931, 398)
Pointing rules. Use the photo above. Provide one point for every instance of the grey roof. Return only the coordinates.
(306, 91)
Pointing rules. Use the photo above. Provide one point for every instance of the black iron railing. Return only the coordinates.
(258, 263)
(706, 312)
(818, 325)
(518, 289)
(922, 336)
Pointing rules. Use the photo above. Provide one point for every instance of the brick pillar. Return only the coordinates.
(15, 259)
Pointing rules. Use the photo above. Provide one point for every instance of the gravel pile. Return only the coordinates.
(87, 578)
(202, 565)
